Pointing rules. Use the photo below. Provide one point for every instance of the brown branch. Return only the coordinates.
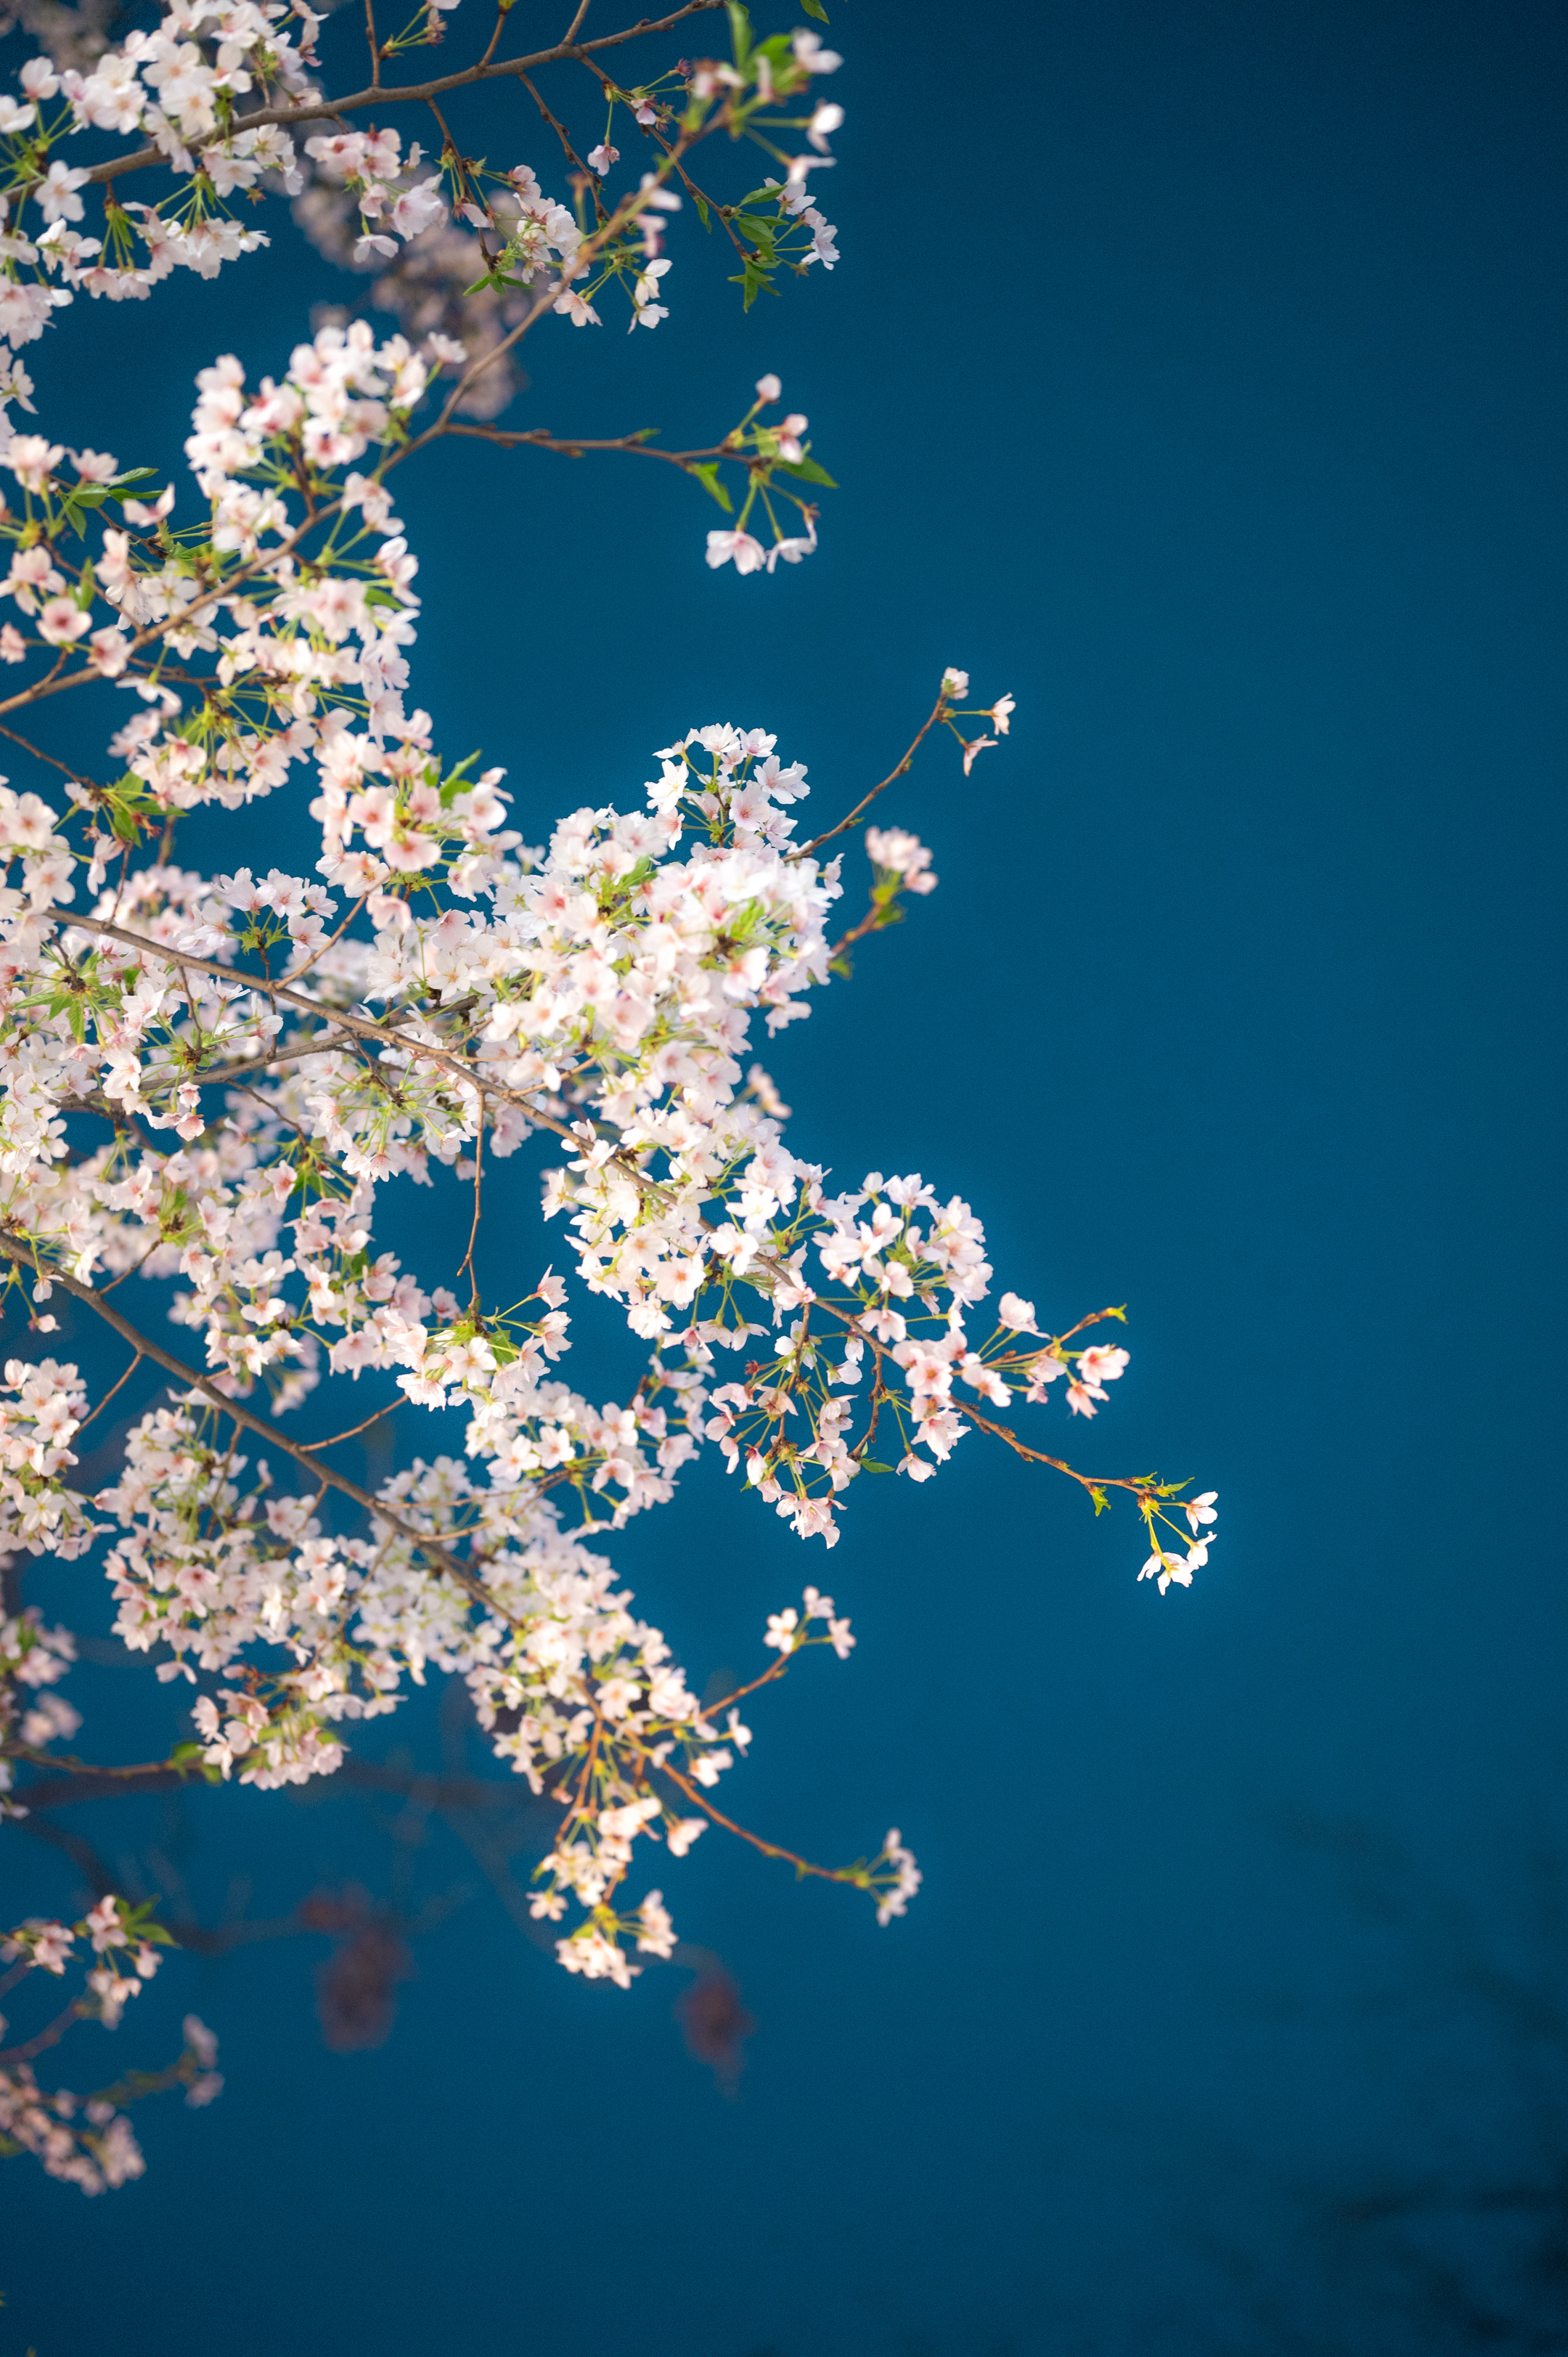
(416, 94)
(560, 130)
(874, 920)
(310, 1447)
(540, 439)
(1141, 1484)
(58, 681)
(82, 1782)
(494, 41)
(86, 1782)
(49, 2036)
(709, 1710)
(39, 755)
(23, 1256)
(803, 1865)
(866, 800)
(108, 1395)
(357, 1025)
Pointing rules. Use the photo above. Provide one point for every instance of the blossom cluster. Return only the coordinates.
(436, 996)
(210, 88)
(88, 2141)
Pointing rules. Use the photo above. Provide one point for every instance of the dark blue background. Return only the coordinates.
(1194, 373)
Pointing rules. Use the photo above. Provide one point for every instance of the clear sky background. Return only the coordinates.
(1194, 373)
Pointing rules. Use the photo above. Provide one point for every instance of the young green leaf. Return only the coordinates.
(806, 470)
(707, 473)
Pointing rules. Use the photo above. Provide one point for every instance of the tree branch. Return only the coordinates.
(866, 800)
(24, 1256)
(415, 93)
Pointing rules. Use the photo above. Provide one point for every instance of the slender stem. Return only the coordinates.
(108, 1395)
(468, 1259)
(540, 439)
(50, 2035)
(103, 1778)
(39, 755)
(558, 127)
(308, 1448)
(331, 942)
(494, 42)
(1140, 1485)
(768, 1850)
(869, 923)
(866, 800)
(709, 1710)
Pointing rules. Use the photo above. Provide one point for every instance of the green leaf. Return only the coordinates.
(815, 9)
(869, 1464)
(806, 470)
(496, 278)
(740, 31)
(703, 209)
(755, 282)
(707, 474)
(763, 232)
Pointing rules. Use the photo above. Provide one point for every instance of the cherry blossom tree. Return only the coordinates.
(209, 1079)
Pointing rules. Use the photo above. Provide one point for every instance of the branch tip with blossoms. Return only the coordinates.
(88, 2141)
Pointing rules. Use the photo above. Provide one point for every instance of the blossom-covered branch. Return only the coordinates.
(210, 1079)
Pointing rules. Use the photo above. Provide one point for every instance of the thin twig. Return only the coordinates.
(49, 2036)
(575, 447)
(468, 1259)
(768, 1850)
(108, 1395)
(39, 755)
(559, 128)
(309, 1447)
(866, 800)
